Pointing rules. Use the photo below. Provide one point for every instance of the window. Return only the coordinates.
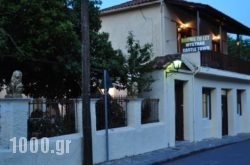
(206, 103)
(149, 111)
(239, 102)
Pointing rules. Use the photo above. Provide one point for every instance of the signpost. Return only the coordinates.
(106, 88)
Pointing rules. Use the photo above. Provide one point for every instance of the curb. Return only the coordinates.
(182, 150)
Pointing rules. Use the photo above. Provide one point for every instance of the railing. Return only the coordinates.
(117, 113)
(224, 62)
(149, 111)
(51, 118)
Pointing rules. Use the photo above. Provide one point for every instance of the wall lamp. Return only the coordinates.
(174, 66)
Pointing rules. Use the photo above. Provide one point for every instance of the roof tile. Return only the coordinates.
(128, 4)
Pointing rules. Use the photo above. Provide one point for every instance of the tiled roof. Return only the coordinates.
(206, 12)
(161, 61)
(128, 4)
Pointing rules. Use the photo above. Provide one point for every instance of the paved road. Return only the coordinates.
(234, 154)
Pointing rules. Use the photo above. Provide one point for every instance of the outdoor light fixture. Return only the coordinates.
(183, 26)
(216, 37)
(177, 64)
(174, 66)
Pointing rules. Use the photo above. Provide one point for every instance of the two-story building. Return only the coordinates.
(209, 96)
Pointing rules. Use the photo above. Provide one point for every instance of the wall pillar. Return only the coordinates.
(13, 120)
(134, 113)
(245, 118)
(216, 115)
(232, 109)
(170, 110)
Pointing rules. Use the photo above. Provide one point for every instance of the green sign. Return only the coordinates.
(196, 43)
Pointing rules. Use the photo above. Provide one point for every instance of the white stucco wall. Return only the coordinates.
(196, 127)
(134, 139)
(143, 22)
(137, 138)
(28, 158)
(152, 24)
(212, 128)
(164, 88)
(244, 123)
(13, 122)
(157, 24)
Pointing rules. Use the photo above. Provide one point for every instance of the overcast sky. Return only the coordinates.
(237, 9)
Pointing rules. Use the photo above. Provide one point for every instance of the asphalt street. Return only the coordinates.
(233, 154)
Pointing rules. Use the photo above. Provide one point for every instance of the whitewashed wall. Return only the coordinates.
(134, 139)
(152, 24)
(13, 122)
(131, 140)
(146, 23)
(40, 158)
(197, 128)
(236, 123)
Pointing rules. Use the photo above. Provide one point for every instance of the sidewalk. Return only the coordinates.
(182, 149)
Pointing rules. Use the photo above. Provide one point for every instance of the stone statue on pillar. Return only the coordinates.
(15, 88)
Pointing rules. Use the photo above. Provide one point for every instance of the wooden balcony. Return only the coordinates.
(224, 62)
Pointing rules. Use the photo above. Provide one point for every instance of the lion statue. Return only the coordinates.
(15, 88)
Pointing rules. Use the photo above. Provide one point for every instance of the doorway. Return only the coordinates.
(224, 112)
(179, 121)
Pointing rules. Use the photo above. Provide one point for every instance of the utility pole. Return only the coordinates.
(86, 116)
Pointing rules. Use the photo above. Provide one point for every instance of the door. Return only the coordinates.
(179, 123)
(224, 111)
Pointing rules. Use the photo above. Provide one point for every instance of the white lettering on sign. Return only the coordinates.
(196, 43)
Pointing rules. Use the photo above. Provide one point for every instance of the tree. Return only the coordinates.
(103, 56)
(43, 40)
(138, 65)
(239, 48)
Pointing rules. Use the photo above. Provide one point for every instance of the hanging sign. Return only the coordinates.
(196, 43)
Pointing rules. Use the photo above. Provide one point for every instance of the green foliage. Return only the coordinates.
(43, 40)
(139, 64)
(239, 48)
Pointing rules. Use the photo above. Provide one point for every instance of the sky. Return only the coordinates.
(236, 9)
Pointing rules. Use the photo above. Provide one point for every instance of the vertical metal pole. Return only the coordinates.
(106, 113)
(86, 120)
(198, 22)
(238, 45)
(221, 39)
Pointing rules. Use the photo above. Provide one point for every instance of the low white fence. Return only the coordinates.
(15, 148)
(136, 138)
(133, 139)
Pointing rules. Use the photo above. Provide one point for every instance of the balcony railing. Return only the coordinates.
(224, 62)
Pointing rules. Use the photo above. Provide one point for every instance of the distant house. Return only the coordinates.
(209, 96)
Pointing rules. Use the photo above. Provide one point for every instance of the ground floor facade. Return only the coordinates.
(192, 106)
(203, 103)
